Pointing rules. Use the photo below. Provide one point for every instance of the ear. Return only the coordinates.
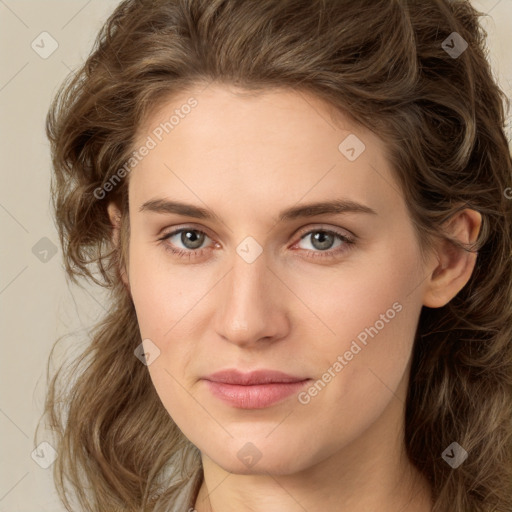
(115, 217)
(454, 265)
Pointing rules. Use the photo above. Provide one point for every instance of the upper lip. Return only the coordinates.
(263, 376)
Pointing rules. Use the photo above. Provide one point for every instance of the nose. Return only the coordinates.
(252, 304)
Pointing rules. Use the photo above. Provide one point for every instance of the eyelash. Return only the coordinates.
(347, 245)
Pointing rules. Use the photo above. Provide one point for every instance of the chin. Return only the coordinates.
(261, 456)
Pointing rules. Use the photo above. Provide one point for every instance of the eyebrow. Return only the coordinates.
(295, 212)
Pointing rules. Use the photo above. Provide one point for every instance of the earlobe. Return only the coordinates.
(454, 265)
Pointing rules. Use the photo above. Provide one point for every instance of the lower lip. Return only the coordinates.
(257, 396)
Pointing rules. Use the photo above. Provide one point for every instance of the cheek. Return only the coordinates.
(369, 296)
(369, 317)
(162, 292)
(166, 297)
(162, 303)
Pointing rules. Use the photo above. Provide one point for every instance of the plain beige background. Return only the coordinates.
(36, 305)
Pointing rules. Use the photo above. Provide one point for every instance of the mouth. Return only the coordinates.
(253, 390)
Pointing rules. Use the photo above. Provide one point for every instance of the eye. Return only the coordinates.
(187, 242)
(322, 242)
(192, 239)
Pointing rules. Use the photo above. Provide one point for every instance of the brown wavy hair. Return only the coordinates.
(381, 61)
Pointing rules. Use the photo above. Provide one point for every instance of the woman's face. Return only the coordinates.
(328, 296)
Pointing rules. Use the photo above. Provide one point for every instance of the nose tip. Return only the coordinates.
(244, 328)
(250, 311)
(239, 326)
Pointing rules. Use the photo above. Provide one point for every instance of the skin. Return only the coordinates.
(246, 158)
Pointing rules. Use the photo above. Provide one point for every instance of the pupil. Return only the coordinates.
(187, 238)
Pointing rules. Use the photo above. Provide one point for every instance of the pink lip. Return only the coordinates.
(253, 390)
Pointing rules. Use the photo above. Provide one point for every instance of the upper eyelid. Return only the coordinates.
(344, 232)
(179, 229)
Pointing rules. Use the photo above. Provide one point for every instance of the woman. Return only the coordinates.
(300, 208)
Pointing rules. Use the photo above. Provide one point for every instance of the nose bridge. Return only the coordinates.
(249, 307)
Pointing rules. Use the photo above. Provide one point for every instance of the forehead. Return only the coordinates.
(279, 145)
